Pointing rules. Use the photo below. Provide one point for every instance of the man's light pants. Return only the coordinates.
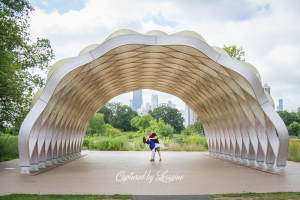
(153, 150)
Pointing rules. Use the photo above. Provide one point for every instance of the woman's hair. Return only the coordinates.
(144, 139)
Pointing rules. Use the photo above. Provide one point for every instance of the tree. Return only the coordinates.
(18, 59)
(235, 53)
(158, 127)
(294, 129)
(170, 116)
(119, 116)
(141, 123)
(96, 124)
(287, 117)
(199, 126)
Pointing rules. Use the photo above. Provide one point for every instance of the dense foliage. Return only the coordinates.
(97, 126)
(18, 59)
(119, 116)
(8, 147)
(170, 116)
(292, 121)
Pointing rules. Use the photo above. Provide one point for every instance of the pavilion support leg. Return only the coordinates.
(63, 150)
(221, 154)
(280, 168)
(25, 170)
(226, 151)
(231, 151)
(260, 156)
(54, 154)
(34, 161)
(217, 148)
(270, 157)
(42, 157)
(49, 156)
(59, 154)
(237, 153)
(68, 156)
(244, 155)
(214, 151)
(251, 155)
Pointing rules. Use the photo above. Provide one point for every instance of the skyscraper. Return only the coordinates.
(148, 106)
(130, 103)
(280, 106)
(170, 103)
(267, 88)
(137, 100)
(154, 101)
(189, 116)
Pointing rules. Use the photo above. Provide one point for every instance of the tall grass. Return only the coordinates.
(294, 151)
(8, 148)
(123, 143)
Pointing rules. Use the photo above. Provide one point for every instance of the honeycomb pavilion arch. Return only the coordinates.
(238, 117)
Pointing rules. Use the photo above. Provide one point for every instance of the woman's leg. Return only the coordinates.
(153, 152)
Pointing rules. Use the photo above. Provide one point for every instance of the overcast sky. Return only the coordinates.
(268, 31)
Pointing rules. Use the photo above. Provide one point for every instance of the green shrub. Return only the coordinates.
(8, 148)
(86, 142)
(169, 130)
(110, 131)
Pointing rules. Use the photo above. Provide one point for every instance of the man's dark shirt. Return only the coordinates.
(152, 136)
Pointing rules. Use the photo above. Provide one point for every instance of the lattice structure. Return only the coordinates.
(239, 120)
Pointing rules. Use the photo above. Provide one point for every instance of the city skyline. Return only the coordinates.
(147, 94)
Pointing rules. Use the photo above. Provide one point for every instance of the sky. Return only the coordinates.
(268, 31)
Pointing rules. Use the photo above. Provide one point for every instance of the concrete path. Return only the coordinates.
(193, 173)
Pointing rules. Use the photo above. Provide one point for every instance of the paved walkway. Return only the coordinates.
(96, 173)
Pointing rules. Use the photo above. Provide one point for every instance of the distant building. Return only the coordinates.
(169, 103)
(163, 104)
(182, 113)
(142, 111)
(280, 106)
(267, 88)
(137, 100)
(189, 116)
(130, 103)
(154, 101)
(148, 106)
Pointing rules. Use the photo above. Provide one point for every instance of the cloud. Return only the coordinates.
(45, 3)
(267, 30)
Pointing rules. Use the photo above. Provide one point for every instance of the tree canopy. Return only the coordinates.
(170, 116)
(18, 59)
(234, 52)
(291, 120)
(119, 116)
(146, 123)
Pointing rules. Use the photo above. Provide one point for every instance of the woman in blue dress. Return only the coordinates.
(152, 146)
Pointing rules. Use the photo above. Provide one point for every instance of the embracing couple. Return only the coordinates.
(154, 145)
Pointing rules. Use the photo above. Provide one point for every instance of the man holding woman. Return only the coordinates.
(153, 144)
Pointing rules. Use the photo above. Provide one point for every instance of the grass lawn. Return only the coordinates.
(293, 137)
(275, 195)
(52, 197)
